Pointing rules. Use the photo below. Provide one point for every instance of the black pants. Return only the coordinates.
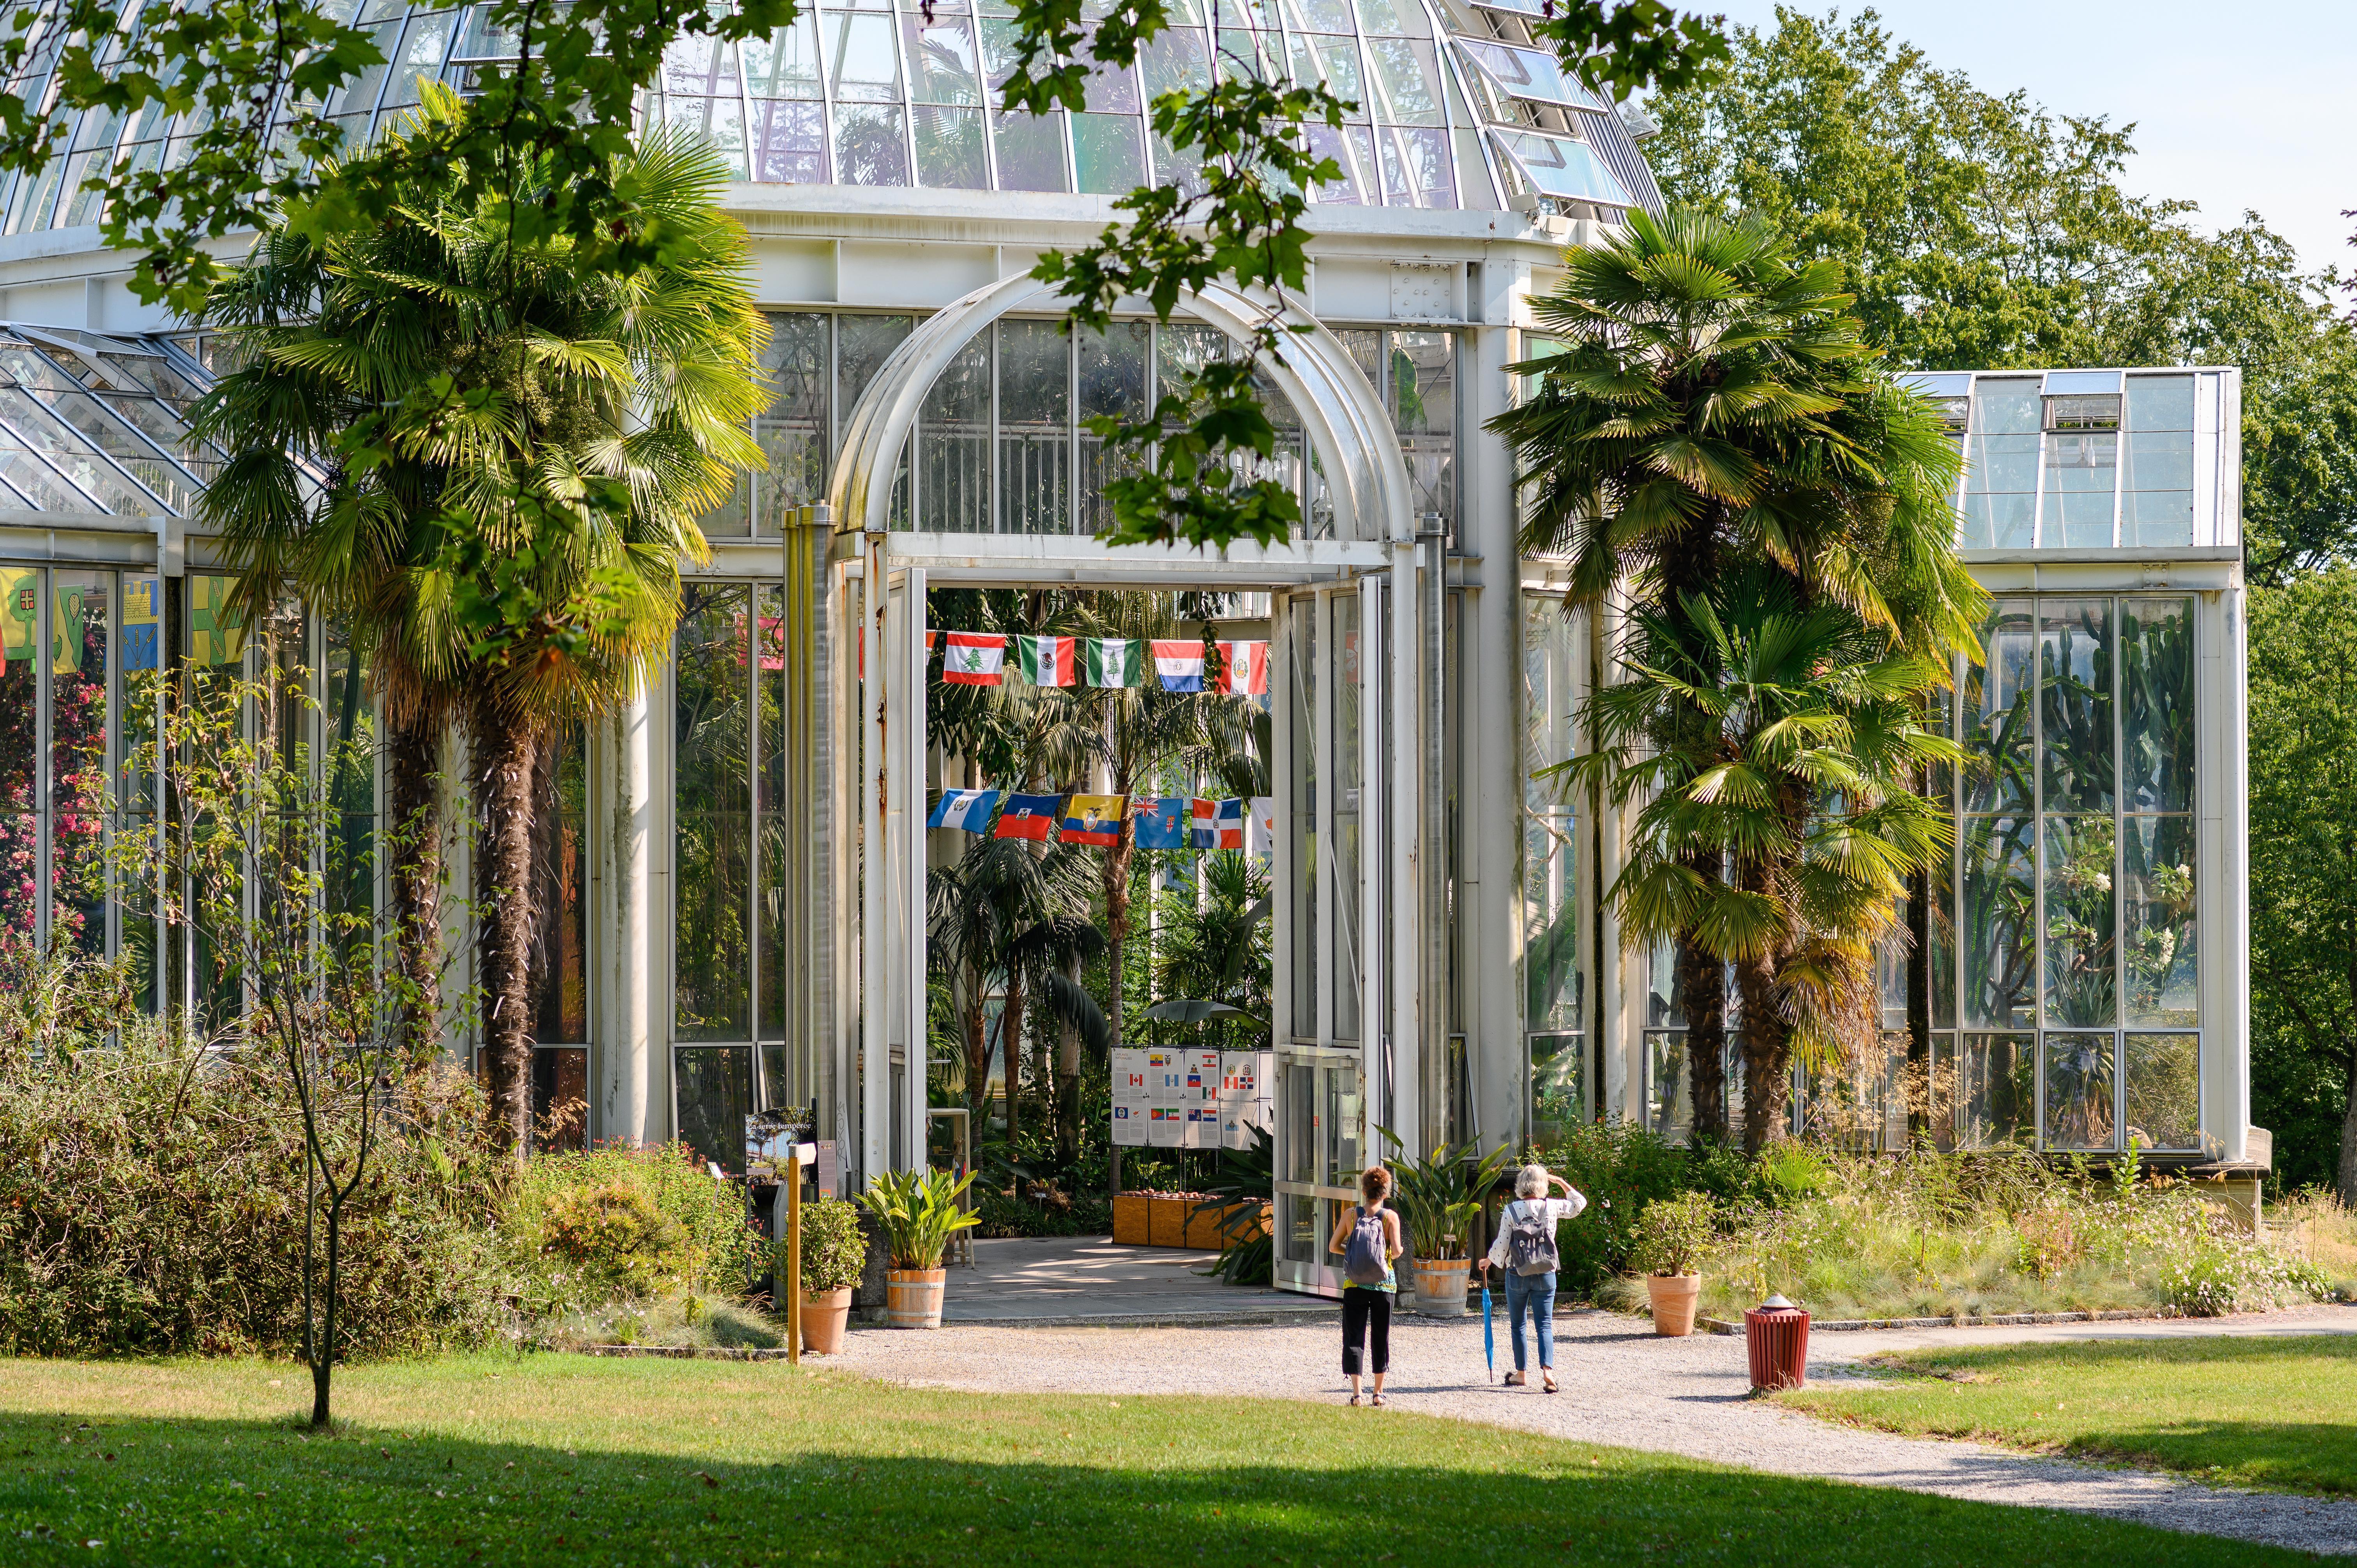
(1366, 1315)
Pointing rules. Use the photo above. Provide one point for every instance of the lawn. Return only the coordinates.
(2278, 1411)
(573, 1461)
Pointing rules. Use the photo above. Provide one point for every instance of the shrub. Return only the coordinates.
(1621, 1167)
(581, 1243)
(613, 1230)
(835, 1250)
(1674, 1234)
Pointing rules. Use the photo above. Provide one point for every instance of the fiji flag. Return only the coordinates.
(966, 808)
(1179, 663)
(1030, 817)
(1202, 822)
(1231, 824)
(1096, 818)
(1162, 822)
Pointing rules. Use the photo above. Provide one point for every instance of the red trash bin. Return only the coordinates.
(1777, 1333)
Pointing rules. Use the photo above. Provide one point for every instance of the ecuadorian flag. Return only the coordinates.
(1095, 819)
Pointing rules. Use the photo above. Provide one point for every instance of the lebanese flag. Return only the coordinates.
(973, 658)
(1231, 824)
(1244, 668)
(1047, 661)
(1179, 661)
(1202, 822)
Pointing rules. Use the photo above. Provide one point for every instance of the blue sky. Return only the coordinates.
(2236, 105)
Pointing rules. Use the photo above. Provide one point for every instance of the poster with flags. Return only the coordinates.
(1130, 1101)
(965, 809)
(973, 658)
(1113, 660)
(1202, 1100)
(1202, 822)
(1178, 661)
(1166, 1091)
(1162, 822)
(1244, 668)
(1245, 1107)
(1048, 660)
(1260, 829)
(1030, 817)
(1231, 825)
(143, 619)
(1095, 819)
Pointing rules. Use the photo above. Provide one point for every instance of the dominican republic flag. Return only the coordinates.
(975, 659)
(1162, 822)
(1047, 661)
(1179, 663)
(966, 808)
(1231, 824)
(1095, 819)
(1202, 822)
(1030, 817)
(1244, 668)
(1260, 832)
(1113, 660)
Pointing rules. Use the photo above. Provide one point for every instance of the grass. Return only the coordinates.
(573, 1461)
(2267, 1412)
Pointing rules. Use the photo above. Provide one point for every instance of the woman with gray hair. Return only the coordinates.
(1526, 1249)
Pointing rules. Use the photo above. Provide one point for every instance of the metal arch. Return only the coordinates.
(1348, 429)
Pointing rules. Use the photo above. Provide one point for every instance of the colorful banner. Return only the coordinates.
(216, 632)
(973, 659)
(1030, 817)
(1244, 668)
(20, 611)
(1161, 822)
(1095, 819)
(965, 809)
(1048, 660)
(143, 623)
(1113, 662)
(1178, 661)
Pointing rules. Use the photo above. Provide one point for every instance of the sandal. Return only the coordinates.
(1550, 1381)
(1354, 1399)
(1377, 1400)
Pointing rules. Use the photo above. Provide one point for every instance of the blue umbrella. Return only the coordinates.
(1489, 1332)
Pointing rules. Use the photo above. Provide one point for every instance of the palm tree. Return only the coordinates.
(518, 448)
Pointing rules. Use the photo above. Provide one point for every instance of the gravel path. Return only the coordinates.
(1622, 1385)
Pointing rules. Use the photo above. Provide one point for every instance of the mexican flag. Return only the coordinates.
(1047, 661)
(1115, 660)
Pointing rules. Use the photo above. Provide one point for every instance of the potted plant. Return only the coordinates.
(917, 1211)
(1439, 1199)
(1672, 1235)
(834, 1253)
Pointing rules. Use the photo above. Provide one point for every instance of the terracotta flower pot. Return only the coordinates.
(1674, 1303)
(1440, 1286)
(912, 1297)
(823, 1315)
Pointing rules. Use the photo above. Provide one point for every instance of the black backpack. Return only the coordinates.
(1530, 1238)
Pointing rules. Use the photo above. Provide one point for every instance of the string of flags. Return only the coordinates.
(979, 659)
(1155, 822)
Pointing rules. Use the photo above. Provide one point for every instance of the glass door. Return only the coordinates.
(1320, 1136)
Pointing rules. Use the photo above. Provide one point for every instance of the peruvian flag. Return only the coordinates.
(1179, 661)
(1202, 822)
(1231, 824)
(1244, 668)
(1261, 836)
(973, 658)
(1048, 660)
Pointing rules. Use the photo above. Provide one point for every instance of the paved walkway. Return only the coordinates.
(1623, 1385)
(1088, 1280)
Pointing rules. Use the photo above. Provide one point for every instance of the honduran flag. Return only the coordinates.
(1113, 660)
(1162, 822)
(1231, 824)
(964, 809)
(1179, 661)
(1202, 822)
(1244, 668)
(973, 658)
(1030, 817)
(1047, 661)
(1095, 819)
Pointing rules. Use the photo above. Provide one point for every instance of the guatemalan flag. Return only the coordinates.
(1030, 817)
(1244, 668)
(1231, 824)
(1179, 663)
(1202, 822)
(1048, 660)
(1162, 822)
(968, 810)
(973, 658)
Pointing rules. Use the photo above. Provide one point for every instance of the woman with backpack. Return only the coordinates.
(1369, 1239)
(1525, 1249)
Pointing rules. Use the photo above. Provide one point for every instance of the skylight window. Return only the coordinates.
(1535, 76)
(1561, 167)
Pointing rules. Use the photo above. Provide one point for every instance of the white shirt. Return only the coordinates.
(1557, 1209)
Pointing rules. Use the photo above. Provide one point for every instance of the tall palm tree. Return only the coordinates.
(518, 449)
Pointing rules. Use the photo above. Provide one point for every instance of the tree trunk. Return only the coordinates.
(2347, 1182)
(1766, 1054)
(504, 748)
(1703, 980)
(414, 744)
(1011, 1039)
(1116, 891)
(1919, 1097)
(976, 1028)
(1068, 1081)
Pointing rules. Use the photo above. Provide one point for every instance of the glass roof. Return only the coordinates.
(894, 92)
(96, 423)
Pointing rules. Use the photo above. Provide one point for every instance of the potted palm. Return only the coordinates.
(834, 1253)
(1439, 1199)
(1672, 1235)
(917, 1211)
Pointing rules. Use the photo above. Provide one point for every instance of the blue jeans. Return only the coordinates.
(1533, 1293)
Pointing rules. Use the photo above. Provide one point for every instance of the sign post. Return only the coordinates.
(794, 1254)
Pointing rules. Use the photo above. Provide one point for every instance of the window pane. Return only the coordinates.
(1669, 1098)
(1552, 988)
(2001, 464)
(712, 956)
(715, 1095)
(868, 148)
(560, 1098)
(949, 149)
(1031, 151)
(1301, 622)
(1347, 772)
(1558, 1084)
(792, 434)
(788, 142)
(784, 64)
(560, 959)
(2079, 1071)
(2157, 512)
(1995, 1094)
(1997, 706)
(1035, 433)
(348, 725)
(2164, 1090)
(2082, 977)
(1999, 909)
(1109, 152)
(2156, 703)
(79, 630)
(1416, 166)
(862, 61)
(2162, 967)
(1406, 84)
(943, 66)
(953, 445)
(2074, 668)
(20, 609)
(1423, 396)
(2082, 472)
(1550, 700)
(1112, 382)
(862, 345)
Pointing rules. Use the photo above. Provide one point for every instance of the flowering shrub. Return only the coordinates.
(614, 1233)
(613, 1223)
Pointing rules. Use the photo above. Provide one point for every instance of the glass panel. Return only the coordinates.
(862, 345)
(2082, 974)
(776, 819)
(1112, 380)
(2079, 1071)
(1558, 1084)
(1550, 700)
(715, 1095)
(950, 154)
(2074, 668)
(560, 959)
(79, 627)
(1342, 1132)
(1175, 61)
(942, 65)
(1300, 1235)
(1665, 994)
(718, 122)
(1109, 152)
(2156, 510)
(1997, 705)
(953, 445)
(2162, 967)
(1030, 152)
(1999, 911)
(784, 64)
(2082, 471)
(1552, 982)
(560, 1098)
(788, 142)
(1347, 972)
(1406, 81)
(1402, 17)
(712, 956)
(863, 64)
(1669, 1098)
(1423, 397)
(348, 733)
(1302, 677)
(1996, 1095)
(792, 434)
(868, 146)
(1303, 1148)
(2164, 1090)
(2001, 464)
(1035, 432)
(2156, 703)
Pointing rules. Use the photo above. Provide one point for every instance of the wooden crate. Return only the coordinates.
(1167, 1221)
(1203, 1228)
(1130, 1225)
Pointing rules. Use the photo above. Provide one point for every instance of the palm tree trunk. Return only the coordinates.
(1011, 1036)
(413, 748)
(504, 748)
(1068, 1081)
(1919, 1096)
(976, 1027)
(1767, 1053)
(1701, 980)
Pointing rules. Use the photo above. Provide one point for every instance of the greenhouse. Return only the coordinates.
(735, 865)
